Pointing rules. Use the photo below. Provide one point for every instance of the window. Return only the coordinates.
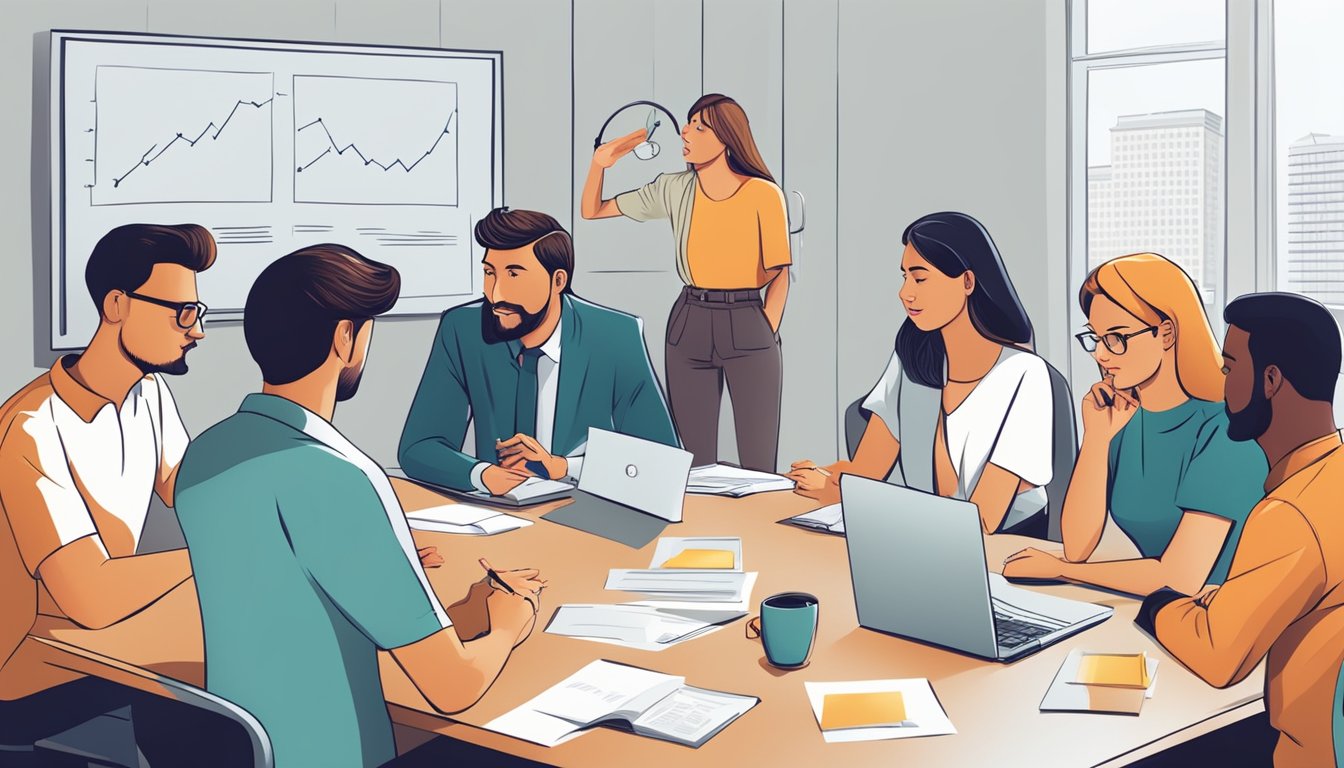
(1309, 150)
(1147, 90)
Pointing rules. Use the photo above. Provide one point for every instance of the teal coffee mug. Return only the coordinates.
(787, 626)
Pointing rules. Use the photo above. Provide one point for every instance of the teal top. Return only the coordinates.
(1164, 463)
(605, 380)
(303, 572)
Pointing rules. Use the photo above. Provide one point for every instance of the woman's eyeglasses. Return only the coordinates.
(1117, 343)
(188, 312)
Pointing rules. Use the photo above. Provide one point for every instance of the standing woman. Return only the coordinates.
(732, 240)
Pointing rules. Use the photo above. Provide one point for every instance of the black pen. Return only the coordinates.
(491, 573)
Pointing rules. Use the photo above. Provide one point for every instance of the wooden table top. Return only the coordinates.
(992, 705)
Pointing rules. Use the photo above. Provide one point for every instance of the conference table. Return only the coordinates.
(994, 706)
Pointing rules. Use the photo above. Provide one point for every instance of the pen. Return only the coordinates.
(824, 472)
(491, 573)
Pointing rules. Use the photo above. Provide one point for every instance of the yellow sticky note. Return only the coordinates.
(1128, 670)
(862, 710)
(701, 558)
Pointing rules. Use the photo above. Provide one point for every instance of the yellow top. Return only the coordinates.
(735, 241)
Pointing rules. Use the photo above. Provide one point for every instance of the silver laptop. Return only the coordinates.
(917, 561)
(641, 474)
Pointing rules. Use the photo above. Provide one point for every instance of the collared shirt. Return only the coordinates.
(1282, 599)
(304, 568)
(548, 385)
(73, 465)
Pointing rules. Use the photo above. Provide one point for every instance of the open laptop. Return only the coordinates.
(917, 561)
(640, 474)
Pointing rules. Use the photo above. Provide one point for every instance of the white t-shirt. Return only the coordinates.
(1007, 419)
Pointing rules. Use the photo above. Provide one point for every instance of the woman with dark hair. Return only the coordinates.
(964, 405)
(731, 230)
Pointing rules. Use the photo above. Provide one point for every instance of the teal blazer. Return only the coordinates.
(606, 381)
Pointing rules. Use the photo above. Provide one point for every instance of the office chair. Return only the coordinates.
(241, 723)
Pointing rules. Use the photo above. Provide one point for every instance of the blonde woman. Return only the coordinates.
(1155, 455)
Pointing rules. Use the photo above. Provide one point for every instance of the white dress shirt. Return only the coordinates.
(548, 385)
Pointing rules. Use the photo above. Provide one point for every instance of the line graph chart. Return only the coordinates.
(181, 135)
(372, 141)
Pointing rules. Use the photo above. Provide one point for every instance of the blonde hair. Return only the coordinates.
(1154, 289)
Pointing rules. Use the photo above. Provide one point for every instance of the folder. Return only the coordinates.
(862, 710)
(1127, 670)
(701, 558)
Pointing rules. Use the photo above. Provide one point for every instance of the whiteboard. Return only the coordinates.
(271, 145)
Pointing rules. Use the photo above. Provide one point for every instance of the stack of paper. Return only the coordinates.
(725, 480)
(632, 626)
(1110, 683)
(464, 519)
(870, 710)
(828, 519)
(699, 586)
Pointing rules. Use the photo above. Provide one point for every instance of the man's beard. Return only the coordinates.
(1252, 421)
(494, 332)
(348, 383)
(172, 368)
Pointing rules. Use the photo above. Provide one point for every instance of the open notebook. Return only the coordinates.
(628, 698)
(828, 519)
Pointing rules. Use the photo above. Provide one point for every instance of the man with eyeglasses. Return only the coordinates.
(82, 449)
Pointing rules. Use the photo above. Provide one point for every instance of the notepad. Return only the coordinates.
(702, 558)
(862, 710)
(1126, 670)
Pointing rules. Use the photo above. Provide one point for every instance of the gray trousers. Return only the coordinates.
(718, 337)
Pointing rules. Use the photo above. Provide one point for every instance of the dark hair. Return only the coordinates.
(1295, 333)
(955, 243)
(508, 229)
(296, 302)
(124, 258)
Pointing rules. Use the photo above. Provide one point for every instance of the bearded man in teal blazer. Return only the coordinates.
(533, 365)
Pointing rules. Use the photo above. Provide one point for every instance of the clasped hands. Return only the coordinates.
(514, 455)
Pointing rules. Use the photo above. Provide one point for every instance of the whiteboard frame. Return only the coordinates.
(53, 131)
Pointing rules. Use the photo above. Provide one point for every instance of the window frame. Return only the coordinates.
(1080, 65)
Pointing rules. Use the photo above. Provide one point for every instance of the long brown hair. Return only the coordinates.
(729, 122)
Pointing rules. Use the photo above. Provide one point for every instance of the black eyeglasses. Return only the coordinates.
(1118, 343)
(189, 313)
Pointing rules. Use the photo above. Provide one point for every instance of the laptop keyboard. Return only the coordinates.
(1012, 632)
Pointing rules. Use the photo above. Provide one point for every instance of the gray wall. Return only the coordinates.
(878, 112)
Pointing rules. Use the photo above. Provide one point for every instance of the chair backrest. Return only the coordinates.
(1064, 450)
(117, 671)
(1064, 445)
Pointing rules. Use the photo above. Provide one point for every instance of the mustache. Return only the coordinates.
(506, 305)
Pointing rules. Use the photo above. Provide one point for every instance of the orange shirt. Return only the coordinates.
(1282, 598)
(735, 241)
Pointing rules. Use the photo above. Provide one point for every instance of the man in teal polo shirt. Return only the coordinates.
(303, 559)
(532, 365)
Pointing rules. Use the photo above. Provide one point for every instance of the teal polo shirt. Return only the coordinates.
(1166, 462)
(304, 568)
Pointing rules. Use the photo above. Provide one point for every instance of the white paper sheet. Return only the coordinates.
(630, 626)
(679, 584)
(921, 708)
(464, 519)
(712, 611)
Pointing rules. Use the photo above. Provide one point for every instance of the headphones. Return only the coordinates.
(648, 150)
